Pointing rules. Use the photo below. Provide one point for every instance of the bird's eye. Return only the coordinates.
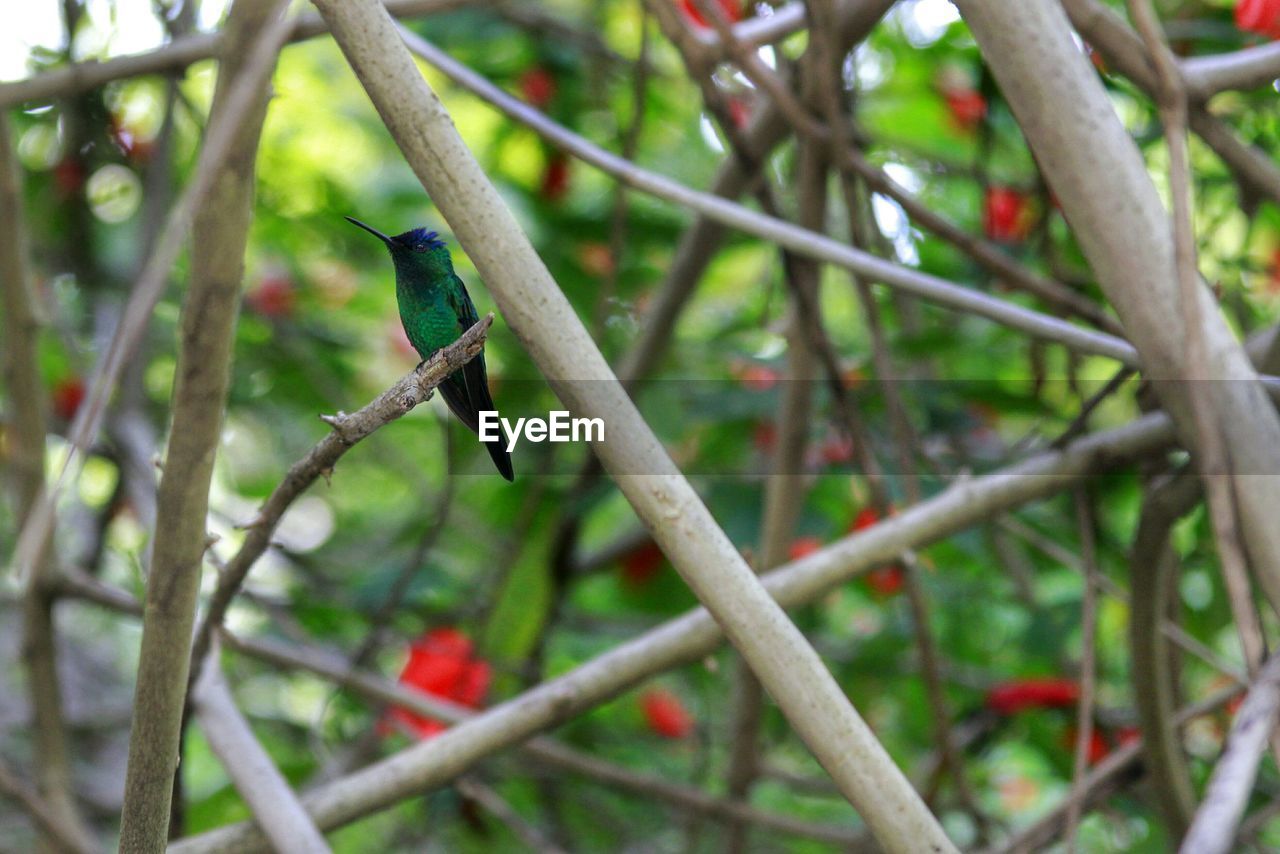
(421, 247)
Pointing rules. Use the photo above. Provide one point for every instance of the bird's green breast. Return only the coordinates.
(423, 285)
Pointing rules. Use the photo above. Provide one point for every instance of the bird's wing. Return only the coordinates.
(467, 390)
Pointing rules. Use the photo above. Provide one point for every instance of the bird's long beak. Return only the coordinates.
(370, 229)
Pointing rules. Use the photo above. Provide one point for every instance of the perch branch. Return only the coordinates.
(411, 390)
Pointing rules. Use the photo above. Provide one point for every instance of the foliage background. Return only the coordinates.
(319, 333)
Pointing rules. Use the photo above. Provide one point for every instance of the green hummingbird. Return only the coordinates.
(436, 309)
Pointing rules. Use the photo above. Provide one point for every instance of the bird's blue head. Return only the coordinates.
(417, 240)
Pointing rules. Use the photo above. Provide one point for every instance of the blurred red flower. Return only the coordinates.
(731, 8)
(273, 296)
(1007, 215)
(1017, 695)
(665, 714)
(1259, 16)
(555, 178)
(641, 565)
(67, 396)
(1097, 749)
(967, 108)
(538, 86)
(441, 663)
(803, 547)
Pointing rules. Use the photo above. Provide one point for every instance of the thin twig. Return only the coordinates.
(411, 390)
(50, 824)
(800, 240)
(1088, 658)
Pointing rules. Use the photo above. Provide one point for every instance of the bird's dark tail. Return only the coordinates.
(467, 393)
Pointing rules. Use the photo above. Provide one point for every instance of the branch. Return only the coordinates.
(696, 634)
(273, 803)
(1088, 661)
(412, 389)
(1213, 829)
(1250, 68)
(26, 463)
(49, 822)
(1154, 681)
(175, 56)
(542, 317)
(800, 240)
(1105, 778)
(199, 398)
(149, 288)
(1102, 184)
(1107, 32)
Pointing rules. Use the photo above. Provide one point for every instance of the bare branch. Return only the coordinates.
(1249, 68)
(264, 789)
(26, 469)
(799, 240)
(1106, 31)
(1088, 658)
(411, 390)
(51, 824)
(174, 57)
(1102, 184)
(199, 400)
(1154, 681)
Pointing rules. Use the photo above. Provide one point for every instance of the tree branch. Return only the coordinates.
(799, 240)
(266, 792)
(1103, 186)
(26, 470)
(199, 399)
(412, 389)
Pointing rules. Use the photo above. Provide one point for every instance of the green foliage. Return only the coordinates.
(319, 333)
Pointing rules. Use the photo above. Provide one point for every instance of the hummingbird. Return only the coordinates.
(435, 310)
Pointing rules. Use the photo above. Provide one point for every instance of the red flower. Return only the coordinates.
(756, 377)
(739, 111)
(665, 714)
(803, 547)
(731, 8)
(967, 108)
(866, 517)
(273, 296)
(441, 664)
(885, 580)
(765, 437)
(555, 178)
(538, 86)
(1008, 698)
(641, 565)
(69, 175)
(67, 396)
(1259, 16)
(1097, 749)
(1007, 215)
